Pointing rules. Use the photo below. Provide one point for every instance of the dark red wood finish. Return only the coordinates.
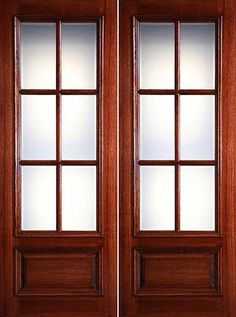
(148, 259)
(58, 273)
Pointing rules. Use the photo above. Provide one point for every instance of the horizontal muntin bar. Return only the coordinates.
(177, 92)
(58, 91)
(55, 162)
(180, 162)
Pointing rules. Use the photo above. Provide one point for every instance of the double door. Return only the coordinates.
(118, 150)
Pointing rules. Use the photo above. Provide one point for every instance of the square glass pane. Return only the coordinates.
(197, 127)
(79, 198)
(197, 202)
(157, 127)
(79, 127)
(157, 198)
(79, 54)
(38, 55)
(157, 55)
(38, 198)
(197, 56)
(38, 127)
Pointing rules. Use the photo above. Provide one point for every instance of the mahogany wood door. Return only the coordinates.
(177, 145)
(58, 199)
(177, 182)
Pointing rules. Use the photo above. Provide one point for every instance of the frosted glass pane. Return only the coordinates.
(79, 55)
(157, 55)
(79, 198)
(38, 198)
(197, 56)
(38, 55)
(197, 203)
(157, 198)
(157, 127)
(38, 127)
(197, 127)
(79, 127)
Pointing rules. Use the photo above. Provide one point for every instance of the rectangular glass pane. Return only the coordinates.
(79, 198)
(157, 198)
(157, 55)
(38, 198)
(197, 127)
(79, 127)
(157, 127)
(197, 55)
(38, 127)
(38, 55)
(79, 53)
(197, 203)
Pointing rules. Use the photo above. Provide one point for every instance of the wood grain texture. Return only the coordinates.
(80, 303)
(181, 8)
(58, 272)
(207, 308)
(229, 152)
(176, 272)
(7, 10)
(162, 305)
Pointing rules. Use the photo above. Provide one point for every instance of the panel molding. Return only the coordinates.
(58, 272)
(179, 275)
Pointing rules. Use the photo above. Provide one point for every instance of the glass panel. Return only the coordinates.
(157, 55)
(79, 198)
(197, 198)
(79, 127)
(157, 201)
(38, 55)
(157, 126)
(38, 198)
(197, 127)
(38, 127)
(197, 56)
(79, 55)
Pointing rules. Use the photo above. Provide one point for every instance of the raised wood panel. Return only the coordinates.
(177, 272)
(63, 272)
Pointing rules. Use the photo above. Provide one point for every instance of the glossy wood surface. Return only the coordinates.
(157, 295)
(61, 274)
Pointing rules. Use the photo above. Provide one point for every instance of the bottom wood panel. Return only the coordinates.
(177, 272)
(58, 272)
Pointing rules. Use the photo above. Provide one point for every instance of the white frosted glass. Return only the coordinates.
(157, 127)
(38, 127)
(79, 198)
(157, 198)
(197, 127)
(157, 55)
(197, 203)
(79, 52)
(197, 56)
(38, 55)
(79, 127)
(38, 198)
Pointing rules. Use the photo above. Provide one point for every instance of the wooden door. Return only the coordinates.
(58, 158)
(177, 183)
